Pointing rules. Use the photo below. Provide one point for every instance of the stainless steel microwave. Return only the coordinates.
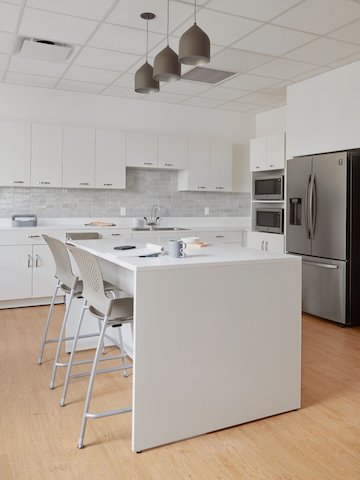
(269, 220)
(269, 188)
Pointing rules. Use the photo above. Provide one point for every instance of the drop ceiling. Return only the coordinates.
(270, 44)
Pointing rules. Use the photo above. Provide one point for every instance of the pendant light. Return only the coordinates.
(166, 64)
(144, 81)
(194, 46)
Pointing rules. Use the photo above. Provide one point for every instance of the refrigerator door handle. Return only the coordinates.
(306, 208)
(314, 205)
(321, 265)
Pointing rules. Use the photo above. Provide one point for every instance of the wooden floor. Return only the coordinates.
(38, 438)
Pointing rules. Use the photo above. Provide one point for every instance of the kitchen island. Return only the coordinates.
(217, 337)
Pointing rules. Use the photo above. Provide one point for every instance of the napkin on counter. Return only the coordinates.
(155, 248)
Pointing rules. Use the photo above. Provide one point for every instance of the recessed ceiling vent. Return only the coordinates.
(44, 49)
(207, 75)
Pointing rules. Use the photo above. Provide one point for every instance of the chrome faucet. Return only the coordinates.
(154, 218)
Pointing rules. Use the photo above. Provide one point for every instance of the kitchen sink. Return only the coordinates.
(158, 229)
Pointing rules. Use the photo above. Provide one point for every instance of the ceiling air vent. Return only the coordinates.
(207, 75)
(44, 50)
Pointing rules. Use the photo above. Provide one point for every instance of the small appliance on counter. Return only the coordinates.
(24, 220)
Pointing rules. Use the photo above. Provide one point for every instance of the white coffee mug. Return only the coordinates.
(176, 249)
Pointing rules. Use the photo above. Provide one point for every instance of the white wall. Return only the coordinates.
(323, 112)
(50, 106)
(271, 122)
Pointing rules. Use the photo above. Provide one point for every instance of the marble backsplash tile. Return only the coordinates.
(143, 189)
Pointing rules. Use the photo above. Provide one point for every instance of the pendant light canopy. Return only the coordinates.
(166, 64)
(194, 46)
(144, 81)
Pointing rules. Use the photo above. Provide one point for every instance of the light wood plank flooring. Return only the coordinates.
(38, 438)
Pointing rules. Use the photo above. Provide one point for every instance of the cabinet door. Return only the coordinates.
(274, 243)
(46, 156)
(221, 237)
(255, 240)
(15, 154)
(221, 166)
(173, 152)
(258, 154)
(78, 157)
(199, 164)
(141, 150)
(16, 272)
(110, 171)
(43, 272)
(275, 151)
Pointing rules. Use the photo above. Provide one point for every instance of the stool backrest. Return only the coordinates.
(93, 282)
(61, 256)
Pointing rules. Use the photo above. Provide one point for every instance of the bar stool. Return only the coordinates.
(68, 284)
(110, 312)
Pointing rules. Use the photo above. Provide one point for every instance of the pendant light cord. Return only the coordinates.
(168, 19)
(147, 38)
(195, 12)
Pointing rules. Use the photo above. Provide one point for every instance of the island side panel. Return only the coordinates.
(215, 346)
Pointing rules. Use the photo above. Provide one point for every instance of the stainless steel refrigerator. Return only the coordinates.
(323, 226)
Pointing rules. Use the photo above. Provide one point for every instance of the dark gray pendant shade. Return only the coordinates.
(144, 81)
(194, 47)
(166, 66)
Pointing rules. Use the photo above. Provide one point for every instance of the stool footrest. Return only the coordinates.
(84, 362)
(103, 370)
(108, 413)
(65, 339)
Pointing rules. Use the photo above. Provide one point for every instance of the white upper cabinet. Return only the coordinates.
(78, 157)
(46, 156)
(15, 154)
(173, 152)
(110, 171)
(197, 176)
(221, 166)
(267, 153)
(141, 150)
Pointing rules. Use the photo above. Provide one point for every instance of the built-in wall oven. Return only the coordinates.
(269, 188)
(269, 220)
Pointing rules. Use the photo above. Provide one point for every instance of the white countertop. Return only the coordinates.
(228, 254)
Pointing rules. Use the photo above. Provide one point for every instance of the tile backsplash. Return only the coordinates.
(143, 189)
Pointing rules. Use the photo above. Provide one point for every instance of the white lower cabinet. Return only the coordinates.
(221, 237)
(267, 242)
(43, 269)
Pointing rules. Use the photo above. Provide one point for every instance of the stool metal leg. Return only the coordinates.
(71, 359)
(51, 308)
(91, 384)
(61, 339)
(123, 356)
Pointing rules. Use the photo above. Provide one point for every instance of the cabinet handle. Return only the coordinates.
(219, 236)
(148, 163)
(167, 164)
(272, 165)
(43, 183)
(116, 234)
(33, 236)
(200, 187)
(107, 184)
(29, 261)
(266, 245)
(262, 245)
(257, 166)
(84, 183)
(37, 261)
(219, 188)
(17, 181)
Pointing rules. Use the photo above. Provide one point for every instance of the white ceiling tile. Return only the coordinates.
(320, 16)
(278, 89)
(312, 73)
(3, 61)
(165, 97)
(273, 40)
(126, 80)
(345, 61)
(6, 40)
(88, 74)
(36, 67)
(116, 91)
(249, 82)
(261, 98)
(282, 68)
(185, 87)
(84, 87)
(94, 57)
(221, 93)
(32, 80)
(123, 39)
(127, 13)
(93, 9)
(14, 2)
(257, 9)
(234, 60)
(261, 109)
(54, 26)
(350, 33)
(222, 29)
(323, 51)
(203, 102)
(8, 17)
(237, 107)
